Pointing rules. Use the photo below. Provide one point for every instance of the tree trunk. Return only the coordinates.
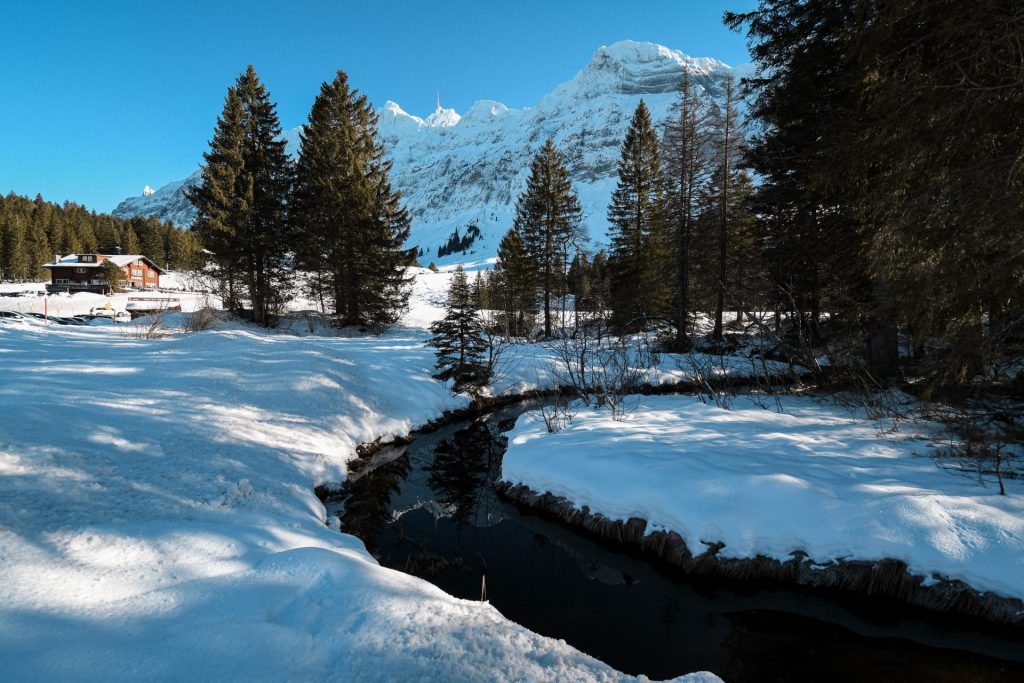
(882, 351)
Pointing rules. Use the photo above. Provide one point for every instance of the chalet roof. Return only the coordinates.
(71, 260)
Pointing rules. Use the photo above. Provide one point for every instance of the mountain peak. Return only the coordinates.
(630, 67)
(636, 54)
(443, 118)
(393, 115)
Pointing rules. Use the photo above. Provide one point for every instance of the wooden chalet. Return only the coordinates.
(80, 273)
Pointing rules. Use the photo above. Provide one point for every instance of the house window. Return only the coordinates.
(81, 270)
(151, 274)
(87, 258)
(63, 281)
(136, 272)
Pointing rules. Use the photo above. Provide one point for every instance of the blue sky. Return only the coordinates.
(98, 99)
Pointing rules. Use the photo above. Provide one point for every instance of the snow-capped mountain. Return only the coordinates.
(455, 171)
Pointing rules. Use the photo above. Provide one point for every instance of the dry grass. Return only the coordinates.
(203, 319)
(150, 327)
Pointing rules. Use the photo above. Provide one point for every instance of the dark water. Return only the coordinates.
(428, 509)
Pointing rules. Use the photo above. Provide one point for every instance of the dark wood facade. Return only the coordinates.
(80, 273)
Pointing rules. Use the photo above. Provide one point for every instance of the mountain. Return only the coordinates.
(460, 170)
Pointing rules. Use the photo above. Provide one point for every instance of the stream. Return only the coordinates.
(428, 509)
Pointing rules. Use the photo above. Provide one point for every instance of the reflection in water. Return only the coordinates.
(428, 509)
(463, 468)
(367, 495)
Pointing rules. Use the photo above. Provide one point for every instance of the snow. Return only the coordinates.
(31, 297)
(815, 478)
(456, 171)
(158, 520)
(443, 118)
(73, 260)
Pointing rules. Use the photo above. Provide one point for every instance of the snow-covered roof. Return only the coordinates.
(120, 259)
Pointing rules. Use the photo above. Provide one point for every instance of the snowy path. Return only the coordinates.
(814, 478)
(158, 521)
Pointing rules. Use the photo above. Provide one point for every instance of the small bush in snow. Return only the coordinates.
(147, 327)
(203, 319)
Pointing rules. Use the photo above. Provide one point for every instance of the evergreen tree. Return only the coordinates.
(461, 347)
(803, 96)
(726, 144)
(481, 291)
(105, 229)
(348, 222)
(151, 239)
(112, 273)
(223, 199)
(935, 173)
(16, 253)
(38, 252)
(130, 243)
(241, 201)
(548, 216)
(640, 256)
(515, 282)
(70, 242)
(184, 250)
(267, 240)
(687, 165)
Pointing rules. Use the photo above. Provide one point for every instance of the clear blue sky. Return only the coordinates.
(98, 99)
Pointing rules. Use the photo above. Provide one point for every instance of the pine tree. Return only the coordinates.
(482, 291)
(70, 244)
(348, 222)
(803, 96)
(151, 239)
(686, 143)
(548, 216)
(515, 282)
(16, 254)
(461, 347)
(726, 144)
(38, 251)
(185, 252)
(112, 274)
(640, 257)
(266, 241)
(130, 243)
(935, 165)
(223, 200)
(242, 199)
(106, 234)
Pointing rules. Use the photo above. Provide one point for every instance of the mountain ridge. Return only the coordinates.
(459, 170)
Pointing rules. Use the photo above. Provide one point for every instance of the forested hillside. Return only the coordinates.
(33, 230)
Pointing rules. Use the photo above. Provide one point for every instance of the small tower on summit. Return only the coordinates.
(442, 118)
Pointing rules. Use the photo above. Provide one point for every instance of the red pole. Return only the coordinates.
(46, 309)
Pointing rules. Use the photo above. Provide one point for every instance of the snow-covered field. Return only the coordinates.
(158, 521)
(157, 515)
(815, 477)
(30, 297)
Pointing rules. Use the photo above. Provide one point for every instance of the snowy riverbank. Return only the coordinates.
(158, 520)
(814, 478)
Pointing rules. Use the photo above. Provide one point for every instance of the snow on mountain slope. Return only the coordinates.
(455, 170)
(168, 203)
